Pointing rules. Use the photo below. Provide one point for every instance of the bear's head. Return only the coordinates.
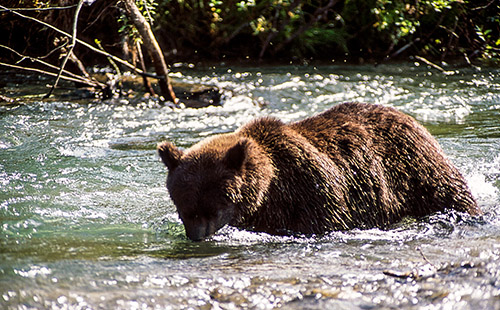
(214, 183)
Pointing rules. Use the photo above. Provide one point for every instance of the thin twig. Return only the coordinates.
(402, 49)
(484, 6)
(40, 9)
(54, 50)
(470, 63)
(150, 19)
(453, 35)
(113, 64)
(80, 65)
(78, 80)
(82, 80)
(425, 258)
(145, 80)
(70, 48)
(101, 12)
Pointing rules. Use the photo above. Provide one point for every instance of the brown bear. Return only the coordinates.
(354, 166)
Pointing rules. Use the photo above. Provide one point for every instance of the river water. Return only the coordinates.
(86, 221)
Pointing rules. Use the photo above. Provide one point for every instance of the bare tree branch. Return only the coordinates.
(145, 80)
(40, 9)
(70, 48)
(77, 80)
(117, 59)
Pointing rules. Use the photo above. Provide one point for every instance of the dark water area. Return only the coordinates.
(86, 221)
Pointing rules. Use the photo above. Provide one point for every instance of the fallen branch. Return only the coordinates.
(145, 31)
(425, 258)
(6, 99)
(425, 271)
(433, 65)
(422, 272)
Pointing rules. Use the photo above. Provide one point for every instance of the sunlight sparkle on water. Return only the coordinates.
(86, 220)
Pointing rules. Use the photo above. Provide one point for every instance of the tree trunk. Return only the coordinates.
(154, 49)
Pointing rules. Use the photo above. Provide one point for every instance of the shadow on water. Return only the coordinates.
(188, 249)
(106, 243)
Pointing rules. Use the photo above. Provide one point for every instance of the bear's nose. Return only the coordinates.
(199, 228)
(195, 232)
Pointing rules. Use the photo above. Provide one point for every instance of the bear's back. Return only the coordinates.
(355, 165)
(360, 124)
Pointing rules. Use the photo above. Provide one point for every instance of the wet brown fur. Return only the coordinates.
(354, 166)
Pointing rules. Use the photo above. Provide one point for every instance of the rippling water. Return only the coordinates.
(86, 221)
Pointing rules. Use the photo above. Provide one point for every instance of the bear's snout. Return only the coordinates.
(200, 228)
(196, 233)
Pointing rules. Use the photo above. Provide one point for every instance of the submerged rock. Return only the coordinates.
(197, 95)
(192, 95)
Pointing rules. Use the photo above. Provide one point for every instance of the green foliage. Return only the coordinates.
(266, 24)
(320, 40)
(397, 18)
(489, 34)
(148, 10)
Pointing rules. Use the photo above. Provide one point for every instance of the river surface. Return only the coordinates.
(86, 221)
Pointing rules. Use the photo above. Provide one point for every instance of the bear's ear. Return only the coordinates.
(236, 155)
(169, 154)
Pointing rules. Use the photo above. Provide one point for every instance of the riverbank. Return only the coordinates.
(192, 31)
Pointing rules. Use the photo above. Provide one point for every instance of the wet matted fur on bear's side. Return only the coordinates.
(353, 166)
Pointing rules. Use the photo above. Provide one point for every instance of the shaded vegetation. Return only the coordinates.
(331, 29)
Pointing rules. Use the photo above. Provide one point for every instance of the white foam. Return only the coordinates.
(481, 188)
